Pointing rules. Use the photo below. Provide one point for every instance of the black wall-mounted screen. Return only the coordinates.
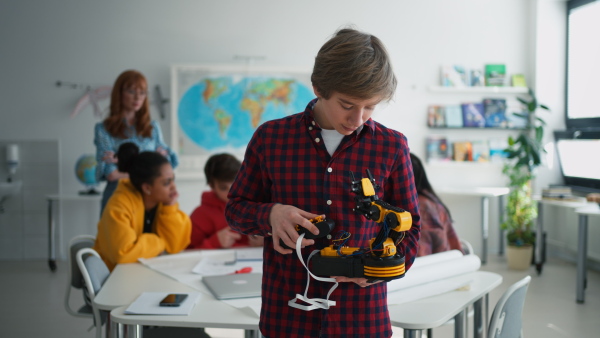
(583, 64)
(579, 156)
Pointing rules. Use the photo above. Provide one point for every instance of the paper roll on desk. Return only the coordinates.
(433, 275)
(435, 271)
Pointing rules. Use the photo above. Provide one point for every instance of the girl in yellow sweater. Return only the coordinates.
(142, 218)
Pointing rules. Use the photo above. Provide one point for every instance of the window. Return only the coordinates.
(583, 64)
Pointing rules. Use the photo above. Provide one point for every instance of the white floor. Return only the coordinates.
(32, 302)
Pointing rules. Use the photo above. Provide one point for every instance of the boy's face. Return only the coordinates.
(221, 189)
(343, 113)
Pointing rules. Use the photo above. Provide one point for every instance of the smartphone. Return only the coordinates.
(173, 299)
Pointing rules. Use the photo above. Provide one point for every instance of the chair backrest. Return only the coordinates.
(75, 278)
(76, 244)
(94, 272)
(93, 269)
(467, 248)
(506, 321)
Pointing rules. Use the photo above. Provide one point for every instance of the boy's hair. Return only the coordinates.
(221, 167)
(356, 64)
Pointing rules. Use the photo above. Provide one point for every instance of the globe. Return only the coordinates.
(85, 171)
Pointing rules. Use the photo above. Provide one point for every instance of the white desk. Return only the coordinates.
(539, 230)
(128, 281)
(52, 223)
(434, 311)
(485, 193)
(584, 213)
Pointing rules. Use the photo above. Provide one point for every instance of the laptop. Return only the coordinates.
(239, 285)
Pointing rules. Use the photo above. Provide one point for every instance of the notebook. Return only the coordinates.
(239, 285)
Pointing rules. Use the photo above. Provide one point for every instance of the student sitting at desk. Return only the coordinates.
(209, 226)
(142, 218)
(437, 232)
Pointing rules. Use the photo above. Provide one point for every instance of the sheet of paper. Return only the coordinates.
(148, 304)
(215, 266)
(249, 254)
(251, 304)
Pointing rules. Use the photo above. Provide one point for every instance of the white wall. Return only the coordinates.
(91, 42)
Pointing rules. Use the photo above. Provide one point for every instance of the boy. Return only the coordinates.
(209, 227)
(297, 168)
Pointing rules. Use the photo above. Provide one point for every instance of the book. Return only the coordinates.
(557, 192)
(480, 150)
(455, 76)
(515, 121)
(435, 116)
(473, 115)
(454, 116)
(437, 149)
(495, 75)
(462, 151)
(477, 78)
(495, 113)
(518, 80)
(498, 149)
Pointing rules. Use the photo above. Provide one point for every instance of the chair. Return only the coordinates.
(506, 320)
(75, 280)
(94, 272)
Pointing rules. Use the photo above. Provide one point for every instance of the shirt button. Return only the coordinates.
(310, 128)
(313, 123)
(329, 170)
(317, 140)
(328, 202)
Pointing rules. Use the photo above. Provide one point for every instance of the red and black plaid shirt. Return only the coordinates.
(286, 162)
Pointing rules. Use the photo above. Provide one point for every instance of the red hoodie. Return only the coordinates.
(207, 220)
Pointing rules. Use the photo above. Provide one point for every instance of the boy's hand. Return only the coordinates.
(362, 282)
(283, 220)
(227, 237)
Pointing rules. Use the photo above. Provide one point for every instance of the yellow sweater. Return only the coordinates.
(120, 236)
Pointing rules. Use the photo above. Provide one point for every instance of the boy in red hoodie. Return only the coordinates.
(209, 227)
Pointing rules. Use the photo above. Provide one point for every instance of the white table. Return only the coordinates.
(431, 312)
(584, 213)
(128, 281)
(485, 193)
(539, 230)
(52, 222)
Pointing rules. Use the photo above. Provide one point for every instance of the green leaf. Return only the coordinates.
(544, 107)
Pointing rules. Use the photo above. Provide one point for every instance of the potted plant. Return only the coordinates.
(524, 156)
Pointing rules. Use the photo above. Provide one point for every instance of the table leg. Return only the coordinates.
(539, 231)
(51, 237)
(485, 212)
(134, 331)
(582, 257)
(501, 220)
(252, 334)
(478, 320)
(460, 324)
(412, 333)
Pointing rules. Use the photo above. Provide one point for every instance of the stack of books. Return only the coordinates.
(557, 192)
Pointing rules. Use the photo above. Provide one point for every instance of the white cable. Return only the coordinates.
(316, 303)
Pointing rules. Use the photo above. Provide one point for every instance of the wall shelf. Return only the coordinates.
(478, 90)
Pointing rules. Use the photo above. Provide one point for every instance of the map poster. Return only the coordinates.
(217, 108)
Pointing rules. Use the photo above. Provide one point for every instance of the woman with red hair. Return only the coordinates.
(128, 121)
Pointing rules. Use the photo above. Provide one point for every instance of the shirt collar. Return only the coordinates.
(309, 119)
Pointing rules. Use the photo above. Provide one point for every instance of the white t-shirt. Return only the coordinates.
(332, 139)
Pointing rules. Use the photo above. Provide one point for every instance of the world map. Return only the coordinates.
(223, 112)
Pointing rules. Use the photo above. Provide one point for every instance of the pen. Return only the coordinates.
(244, 270)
